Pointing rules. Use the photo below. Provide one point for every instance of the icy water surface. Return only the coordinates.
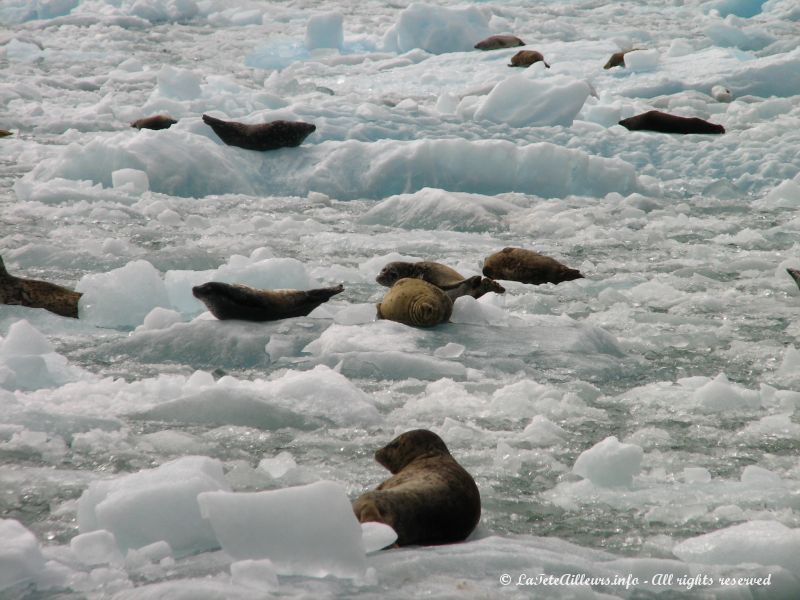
(679, 340)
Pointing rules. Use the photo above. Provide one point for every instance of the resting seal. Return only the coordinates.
(446, 279)
(430, 498)
(655, 120)
(527, 266)
(37, 294)
(264, 136)
(154, 122)
(525, 58)
(415, 302)
(227, 301)
(495, 42)
(5, 133)
(618, 59)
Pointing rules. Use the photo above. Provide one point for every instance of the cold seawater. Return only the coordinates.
(679, 342)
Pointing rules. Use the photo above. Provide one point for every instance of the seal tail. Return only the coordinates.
(795, 273)
(325, 294)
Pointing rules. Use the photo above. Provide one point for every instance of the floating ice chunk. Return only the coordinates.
(95, 548)
(278, 466)
(377, 536)
(20, 557)
(449, 350)
(155, 504)
(132, 179)
(20, 51)
(740, 8)
(121, 297)
(306, 530)
(278, 55)
(642, 60)
(467, 309)
(609, 463)
(696, 475)
(160, 318)
(719, 394)
(160, 11)
(24, 339)
(733, 31)
(541, 431)
(759, 477)
(257, 574)
(437, 29)
(772, 426)
(784, 195)
(325, 31)
(680, 47)
(180, 84)
(552, 100)
(760, 542)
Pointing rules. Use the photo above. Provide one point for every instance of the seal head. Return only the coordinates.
(415, 302)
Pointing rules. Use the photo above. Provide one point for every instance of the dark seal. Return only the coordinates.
(445, 278)
(242, 302)
(430, 498)
(37, 294)
(525, 58)
(496, 42)
(618, 59)
(795, 273)
(154, 122)
(655, 120)
(527, 266)
(264, 136)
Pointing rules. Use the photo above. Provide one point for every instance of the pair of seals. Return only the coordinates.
(525, 58)
(496, 42)
(415, 302)
(264, 136)
(655, 120)
(527, 266)
(242, 302)
(430, 498)
(155, 122)
(448, 280)
(37, 294)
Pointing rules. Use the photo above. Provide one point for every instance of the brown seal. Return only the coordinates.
(496, 42)
(264, 136)
(655, 120)
(154, 122)
(527, 266)
(37, 294)
(618, 59)
(445, 278)
(5, 133)
(242, 302)
(525, 58)
(430, 498)
(415, 302)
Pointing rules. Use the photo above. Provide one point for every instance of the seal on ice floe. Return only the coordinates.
(655, 120)
(242, 302)
(37, 294)
(525, 58)
(5, 133)
(527, 266)
(263, 136)
(795, 273)
(415, 302)
(446, 279)
(618, 59)
(496, 42)
(154, 122)
(430, 498)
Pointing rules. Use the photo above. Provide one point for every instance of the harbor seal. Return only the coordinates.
(525, 58)
(618, 59)
(496, 42)
(415, 302)
(446, 279)
(5, 133)
(263, 136)
(245, 303)
(527, 266)
(795, 273)
(430, 498)
(37, 294)
(655, 120)
(154, 122)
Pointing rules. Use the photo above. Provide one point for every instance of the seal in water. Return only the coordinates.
(264, 136)
(527, 266)
(495, 42)
(37, 294)
(154, 122)
(415, 302)
(430, 498)
(525, 58)
(242, 302)
(655, 120)
(449, 280)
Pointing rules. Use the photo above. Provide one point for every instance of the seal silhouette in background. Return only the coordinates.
(154, 122)
(242, 302)
(264, 136)
(445, 278)
(525, 58)
(527, 266)
(37, 294)
(415, 302)
(430, 498)
(496, 42)
(655, 120)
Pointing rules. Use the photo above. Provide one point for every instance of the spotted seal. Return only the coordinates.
(527, 266)
(496, 42)
(245, 303)
(430, 498)
(445, 278)
(263, 136)
(154, 122)
(415, 302)
(37, 294)
(525, 58)
(655, 120)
